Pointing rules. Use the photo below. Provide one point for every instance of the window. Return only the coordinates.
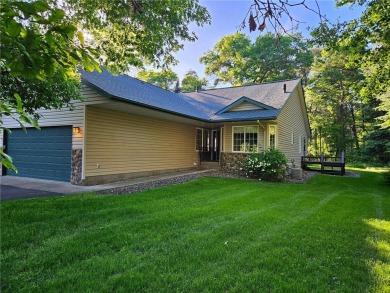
(199, 138)
(206, 140)
(292, 137)
(272, 143)
(245, 138)
(202, 139)
(302, 145)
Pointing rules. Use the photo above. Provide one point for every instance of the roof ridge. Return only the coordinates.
(246, 85)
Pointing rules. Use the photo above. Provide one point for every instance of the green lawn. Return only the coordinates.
(331, 234)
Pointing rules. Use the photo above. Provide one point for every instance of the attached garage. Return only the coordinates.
(43, 154)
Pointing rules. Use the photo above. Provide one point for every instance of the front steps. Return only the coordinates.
(209, 166)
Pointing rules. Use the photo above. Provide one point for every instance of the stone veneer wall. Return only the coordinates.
(232, 162)
(77, 163)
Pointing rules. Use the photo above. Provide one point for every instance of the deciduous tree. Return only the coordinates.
(192, 82)
(237, 60)
(334, 101)
(165, 79)
(367, 41)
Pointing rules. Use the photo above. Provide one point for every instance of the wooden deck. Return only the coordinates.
(327, 165)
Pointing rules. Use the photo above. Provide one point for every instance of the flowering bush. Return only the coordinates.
(270, 165)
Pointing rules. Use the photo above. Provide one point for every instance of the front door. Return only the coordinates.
(215, 142)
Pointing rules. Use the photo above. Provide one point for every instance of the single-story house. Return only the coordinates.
(127, 128)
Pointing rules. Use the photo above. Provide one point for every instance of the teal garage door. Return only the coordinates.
(44, 154)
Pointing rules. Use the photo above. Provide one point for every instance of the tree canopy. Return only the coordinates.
(367, 40)
(364, 44)
(166, 79)
(334, 104)
(237, 60)
(192, 82)
(135, 32)
(42, 40)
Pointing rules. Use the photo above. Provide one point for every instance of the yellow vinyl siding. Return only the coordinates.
(245, 106)
(127, 143)
(227, 128)
(292, 119)
(228, 131)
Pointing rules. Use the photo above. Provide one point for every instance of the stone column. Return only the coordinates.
(232, 162)
(77, 165)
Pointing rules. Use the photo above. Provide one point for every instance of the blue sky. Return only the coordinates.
(228, 14)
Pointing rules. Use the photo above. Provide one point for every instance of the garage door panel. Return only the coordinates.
(44, 153)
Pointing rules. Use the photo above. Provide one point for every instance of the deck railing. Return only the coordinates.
(327, 163)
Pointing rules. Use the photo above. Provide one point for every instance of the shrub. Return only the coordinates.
(270, 165)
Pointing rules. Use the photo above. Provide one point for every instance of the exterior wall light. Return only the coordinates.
(76, 129)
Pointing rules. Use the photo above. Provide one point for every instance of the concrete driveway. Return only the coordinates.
(13, 187)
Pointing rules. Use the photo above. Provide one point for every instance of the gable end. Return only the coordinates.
(245, 104)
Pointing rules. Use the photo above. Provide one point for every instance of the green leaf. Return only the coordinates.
(50, 39)
(40, 76)
(13, 29)
(40, 6)
(75, 56)
(6, 161)
(70, 30)
(80, 36)
(56, 15)
(20, 67)
(19, 103)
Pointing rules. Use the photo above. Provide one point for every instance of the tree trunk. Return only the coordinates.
(354, 129)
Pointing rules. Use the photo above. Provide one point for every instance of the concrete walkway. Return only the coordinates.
(13, 187)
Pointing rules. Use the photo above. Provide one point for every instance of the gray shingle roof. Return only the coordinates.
(202, 105)
(133, 90)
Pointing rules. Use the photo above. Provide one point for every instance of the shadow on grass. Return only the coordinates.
(380, 243)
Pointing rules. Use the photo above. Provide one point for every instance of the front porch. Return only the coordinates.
(226, 146)
(208, 144)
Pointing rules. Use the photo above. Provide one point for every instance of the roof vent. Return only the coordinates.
(285, 88)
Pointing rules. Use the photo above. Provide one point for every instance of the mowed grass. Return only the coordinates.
(331, 234)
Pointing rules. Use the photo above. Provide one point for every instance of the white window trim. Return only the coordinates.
(276, 135)
(222, 143)
(257, 126)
